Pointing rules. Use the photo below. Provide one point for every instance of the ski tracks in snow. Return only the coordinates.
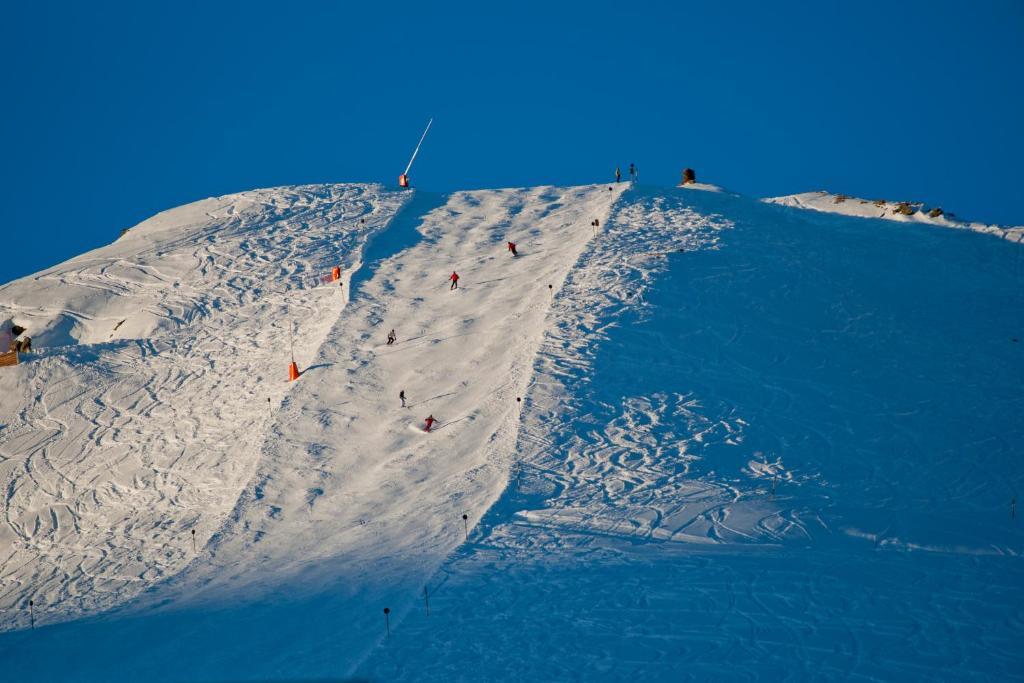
(102, 440)
(625, 467)
(350, 497)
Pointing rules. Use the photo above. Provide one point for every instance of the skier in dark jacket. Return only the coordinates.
(512, 248)
(391, 337)
(632, 172)
(401, 396)
(454, 277)
(618, 174)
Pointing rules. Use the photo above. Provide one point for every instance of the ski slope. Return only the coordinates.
(753, 442)
(159, 359)
(762, 445)
(339, 486)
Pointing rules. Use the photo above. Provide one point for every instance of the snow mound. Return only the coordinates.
(904, 212)
(705, 187)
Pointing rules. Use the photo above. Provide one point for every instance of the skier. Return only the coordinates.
(632, 173)
(512, 248)
(429, 422)
(401, 396)
(618, 174)
(454, 277)
(391, 337)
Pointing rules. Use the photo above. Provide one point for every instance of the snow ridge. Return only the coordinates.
(903, 212)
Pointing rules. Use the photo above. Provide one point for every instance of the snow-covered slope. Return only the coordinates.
(904, 212)
(761, 445)
(158, 362)
(752, 443)
(330, 480)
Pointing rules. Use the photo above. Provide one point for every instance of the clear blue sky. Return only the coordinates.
(112, 112)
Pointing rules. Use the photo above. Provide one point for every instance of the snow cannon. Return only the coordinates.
(403, 180)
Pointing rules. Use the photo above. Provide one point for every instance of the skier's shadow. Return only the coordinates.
(431, 340)
(437, 429)
(428, 400)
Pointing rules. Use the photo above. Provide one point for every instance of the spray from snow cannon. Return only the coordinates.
(403, 180)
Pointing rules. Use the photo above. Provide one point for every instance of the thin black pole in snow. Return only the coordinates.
(465, 523)
(193, 540)
(270, 410)
(426, 600)
(32, 614)
(291, 340)
(387, 621)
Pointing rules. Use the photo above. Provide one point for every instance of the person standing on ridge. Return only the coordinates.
(454, 277)
(429, 422)
(512, 248)
(401, 397)
(632, 173)
(618, 174)
(391, 337)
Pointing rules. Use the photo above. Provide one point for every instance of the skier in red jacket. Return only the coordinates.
(429, 422)
(512, 248)
(454, 277)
